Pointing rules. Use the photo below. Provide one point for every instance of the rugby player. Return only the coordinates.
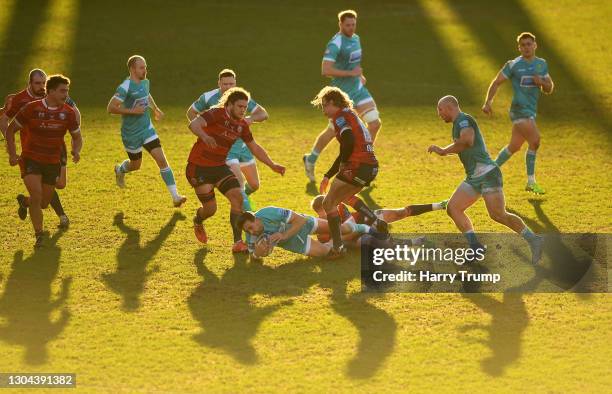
(356, 165)
(529, 76)
(35, 90)
(240, 159)
(43, 124)
(217, 130)
(133, 101)
(342, 63)
(483, 178)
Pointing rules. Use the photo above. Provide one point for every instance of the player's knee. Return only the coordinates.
(135, 165)
(235, 198)
(207, 209)
(535, 144)
(452, 211)
(60, 184)
(254, 186)
(499, 217)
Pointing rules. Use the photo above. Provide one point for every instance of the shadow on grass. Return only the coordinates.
(230, 316)
(132, 260)
(27, 305)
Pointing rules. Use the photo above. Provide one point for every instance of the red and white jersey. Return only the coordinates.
(363, 151)
(44, 128)
(225, 131)
(18, 101)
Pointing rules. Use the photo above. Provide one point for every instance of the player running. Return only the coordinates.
(240, 159)
(483, 178)
(529, 76)
(13, 104)
(356, 165)
(217, 130)
(43, 123)
(342, 63)
(133, 102)
(273, 226)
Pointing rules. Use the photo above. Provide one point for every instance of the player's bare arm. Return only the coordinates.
(495, 84)
(192, 113)
(115, 106)
(77, 145)
(157, 112)
(328, 70)
(261, 155)
(297, 222)
(545, 83)
(197, 127)
(259, 114)
(465, 141)
(11, 147)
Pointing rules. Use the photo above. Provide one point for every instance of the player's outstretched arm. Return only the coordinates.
(259, 114)
(328, 70)
(545, 83)
(261, 155)
(495, 84)
(197, 127)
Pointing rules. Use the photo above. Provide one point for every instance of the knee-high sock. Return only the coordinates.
(418, 209)
(56, 204)
(333, 220)
(234, 215)
(313, 156)
(530, 159)
(168, 177)
(503, 156)
(362, 208)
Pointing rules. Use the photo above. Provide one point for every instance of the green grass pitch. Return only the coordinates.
(136, 305)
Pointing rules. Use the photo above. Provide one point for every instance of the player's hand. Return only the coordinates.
(356, 72)
(279, 169)
(436, 149)
(139, 109)
(76, 156)
(13, 160)
(277, 237)
(323, 185)
(248, 120)
(209, 141)
(486, 108)
(363, 79)
(539, 81)
(158, 114)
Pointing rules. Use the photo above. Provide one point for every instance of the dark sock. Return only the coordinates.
(56, 204)
(333, 220)
(235, 230)
(358, 204)
(414, 210)
(198, 219)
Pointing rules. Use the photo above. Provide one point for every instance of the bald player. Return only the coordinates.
(484, 178)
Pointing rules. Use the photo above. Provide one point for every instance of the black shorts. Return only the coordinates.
(63, 156)
(149, 146)
(359, 175)
(49, 172)
(220, 176)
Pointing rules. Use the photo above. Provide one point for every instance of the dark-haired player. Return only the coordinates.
(44, 124)
(217, 129)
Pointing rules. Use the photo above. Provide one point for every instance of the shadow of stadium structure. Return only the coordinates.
(230, 319)
(27, 304)
(132, 260)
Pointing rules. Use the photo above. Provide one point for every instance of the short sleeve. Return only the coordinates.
(507, 70)
(73, 125)
(70, 102)
(463, 124)
(544, 70)
(12, 108)
(246, 134)
(209, 117)
(23, 115)
(331, 52)
(200, 104)
(122, 91)
(341, 123)
(251, 105)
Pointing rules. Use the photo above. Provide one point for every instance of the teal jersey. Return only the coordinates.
(274, 219)
(475, 159)
(526, 92)
(211, 98)
(345, 52)
(133, 94)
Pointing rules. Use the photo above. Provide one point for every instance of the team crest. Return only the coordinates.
(62, 116)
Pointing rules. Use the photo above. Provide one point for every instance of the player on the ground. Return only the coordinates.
(356, 165)
(217, 129)
(291, 231)
(43, 123)
(529, 75)
(240, 159)
(342, 63)
(133, 102)
(13, 104)
(483, 178)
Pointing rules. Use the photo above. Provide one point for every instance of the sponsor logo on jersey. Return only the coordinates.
(355, 56)
(528, 82)
(62, 116)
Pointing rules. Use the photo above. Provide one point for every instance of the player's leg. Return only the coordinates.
(464, 197)
(394, 215)
(317, 249)
(132, 163)
(251, 174)
(234, 165)
(230, 187)
(61, 182)
(339, 191)
(206, 195)
(156, 151)
(516, 142)
(532, 136)
(368, 112)
(496, 206)
(346, 228)
(321, 142)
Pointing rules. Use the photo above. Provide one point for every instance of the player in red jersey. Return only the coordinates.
(43, 123)
(356, 165)
(14, 103)
(217, 129)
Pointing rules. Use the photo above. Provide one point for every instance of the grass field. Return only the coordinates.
(128, 300)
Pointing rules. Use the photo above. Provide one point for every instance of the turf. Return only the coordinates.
(131, 303)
